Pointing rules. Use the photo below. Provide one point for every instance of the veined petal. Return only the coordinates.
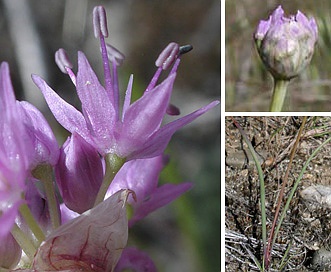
(144, 117)
(67, 115)
(97, 107)
(158, 142)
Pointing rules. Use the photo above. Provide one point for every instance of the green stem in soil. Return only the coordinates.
(25, 243)
(262, 188)
(279, 93)
(113, 165)
(281, 194)
(45, 174)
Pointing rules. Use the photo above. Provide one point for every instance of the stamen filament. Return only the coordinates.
(26, 244)
(44, 173)
(32, 223)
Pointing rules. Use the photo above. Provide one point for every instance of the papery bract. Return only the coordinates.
(93, 241)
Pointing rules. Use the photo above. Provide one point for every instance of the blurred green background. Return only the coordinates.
(248, 85)
(184, 236)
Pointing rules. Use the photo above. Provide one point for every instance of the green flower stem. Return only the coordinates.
(45, 174)
(113, 165)
(25, 243)
(32, 223)
(279, 93)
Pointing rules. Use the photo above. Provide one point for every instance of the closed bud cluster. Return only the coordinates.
(286, 45)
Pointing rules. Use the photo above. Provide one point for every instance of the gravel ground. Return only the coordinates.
(306, 227)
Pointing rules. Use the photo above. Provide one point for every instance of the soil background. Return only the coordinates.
(307, 225)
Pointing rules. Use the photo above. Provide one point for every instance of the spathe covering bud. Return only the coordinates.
(286, 45)
(91, 242)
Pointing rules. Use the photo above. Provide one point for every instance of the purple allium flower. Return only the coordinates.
(286, 45)
(137, 132)
(79, 174)
(10, 252)
(141, 176)
(135, 260)
(91, 242)
(15, 150)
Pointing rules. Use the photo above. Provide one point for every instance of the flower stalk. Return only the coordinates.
(25, 243)
(32, 223)
(279, 94)
(113, 165)
(44, 173)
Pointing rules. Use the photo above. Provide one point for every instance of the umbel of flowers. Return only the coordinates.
(112, 158)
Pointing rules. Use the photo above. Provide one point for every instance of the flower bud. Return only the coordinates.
(79, 174)
(286, 45)
(10, 252)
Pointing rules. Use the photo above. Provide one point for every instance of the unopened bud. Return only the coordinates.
(286, 45)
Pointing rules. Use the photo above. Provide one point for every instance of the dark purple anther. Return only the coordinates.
(62, 60)
(100, 22)
(185, 49)
(173, 110)
(167, 56)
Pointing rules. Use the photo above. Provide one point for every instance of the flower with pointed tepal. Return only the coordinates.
(133, 259)
(92, 241)
(137, 131)
(142, 177)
